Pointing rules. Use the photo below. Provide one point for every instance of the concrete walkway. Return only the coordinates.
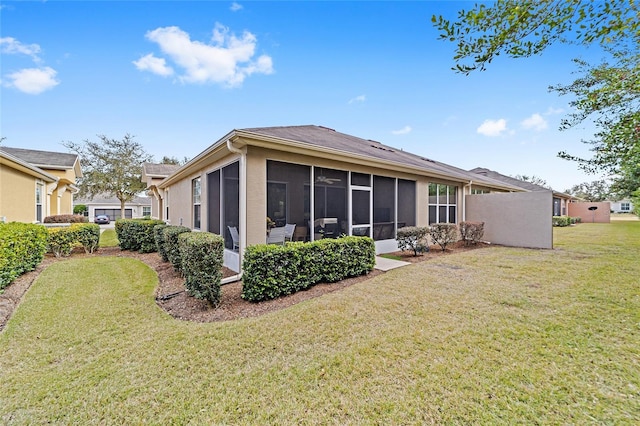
(384, 264)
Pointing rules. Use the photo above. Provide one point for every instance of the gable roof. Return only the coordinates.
(532, 187)
(46, 159)
(104, 199)
(25, 167)
(154, 170)
(323, 141)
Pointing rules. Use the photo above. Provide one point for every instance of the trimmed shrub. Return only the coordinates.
(272, 271)
(413, 238)
(88, 235)
(471, 232)
(575, 219)
(79, 209)
(61, 241)
(171, 247)
(22, 247)
(158, 236)
(66, 218)
(202, 254)
(561, 221)
(137, 234)
(443, 234)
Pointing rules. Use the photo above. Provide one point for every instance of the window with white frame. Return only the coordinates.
(475, 191)
(146, 211)
(196, 191)
(39, 188)
(442, 203)
(625, 207)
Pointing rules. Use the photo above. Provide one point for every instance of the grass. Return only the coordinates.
(498, 335)
(108, 238)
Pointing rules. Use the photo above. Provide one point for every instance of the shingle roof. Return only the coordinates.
(508, 179)
(329, 138)
(46, 159)
(159, 170)
(101, 199)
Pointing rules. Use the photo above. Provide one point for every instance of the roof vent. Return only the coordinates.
(427, 159)
(327, 128)
(382, 148)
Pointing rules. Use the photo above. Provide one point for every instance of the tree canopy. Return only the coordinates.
(111, 167)
(608, 93)
(532, 179)
(598, 190)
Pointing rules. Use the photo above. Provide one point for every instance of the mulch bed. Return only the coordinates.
(184, 307)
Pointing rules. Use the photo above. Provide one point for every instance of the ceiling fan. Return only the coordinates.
(327, 180)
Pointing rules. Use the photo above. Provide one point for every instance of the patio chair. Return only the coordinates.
(235, 237)
(289, 229)
(276, 236)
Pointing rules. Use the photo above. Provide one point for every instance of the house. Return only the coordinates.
(152, 175)
(328, 183)
(622, 206)
(35, 184)
(561, 200)
(137, 208)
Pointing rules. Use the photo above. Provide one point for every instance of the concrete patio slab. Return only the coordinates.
(384, 264)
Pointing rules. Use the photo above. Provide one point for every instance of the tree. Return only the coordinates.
(174, 161)
(527, 27)
(532, 179)
(598, 190)
(610, 92)
(111, 167)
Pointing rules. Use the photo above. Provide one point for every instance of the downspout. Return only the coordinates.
(464, 204)
(243, 208)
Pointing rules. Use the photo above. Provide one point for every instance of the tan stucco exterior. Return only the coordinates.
(602, 213)
(19, 183)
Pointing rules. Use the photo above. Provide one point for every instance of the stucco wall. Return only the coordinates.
(601, 215)
(17, 195)
(520, 219)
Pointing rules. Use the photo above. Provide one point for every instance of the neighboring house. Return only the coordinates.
(622, 206)
(139, 207)
(329, 183)
(36, 184)
(561, 200)
(152, 175)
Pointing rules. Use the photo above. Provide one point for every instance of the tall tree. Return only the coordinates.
(608, 92)
(598, 190)
(111, 167)
(174, 161)
(532, 179)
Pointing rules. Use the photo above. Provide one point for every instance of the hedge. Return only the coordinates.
(22, 248)
(272, 271)
(561, 221)
(88, 235)
(60, 241)
(443, 234)
(171, 246)
(137, 234)
(158, 236)
(413, 238)
(66, 218)
(471, 232)
(201, 255)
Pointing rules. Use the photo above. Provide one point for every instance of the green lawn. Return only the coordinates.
(108, 238)
(490, 336)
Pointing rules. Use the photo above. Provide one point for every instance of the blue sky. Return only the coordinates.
(180, 75)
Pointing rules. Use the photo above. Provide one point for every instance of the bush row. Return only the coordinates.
(60, 241)
(22, 247)
(137, 234)
(66, 218)
(271, 271)
(416, 238)
(565, 220)
(471, 232)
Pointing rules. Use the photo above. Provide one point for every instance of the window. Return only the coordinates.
(442, 203)
(146, 211)
(39, 202)
(195, 185)
(479, 191)
(625, 207)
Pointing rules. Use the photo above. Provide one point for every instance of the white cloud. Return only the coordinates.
(226, 60)
(493, 127)
(535, 122)
(33, 80)
(403, 131)
(10, 45)
(235, 6)
(360, 98)
(553, 111)
(154, 65)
